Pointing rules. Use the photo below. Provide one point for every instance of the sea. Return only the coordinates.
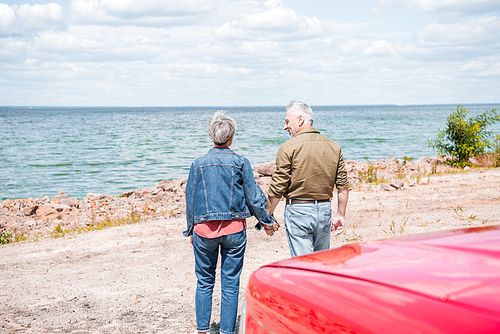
(110, 150)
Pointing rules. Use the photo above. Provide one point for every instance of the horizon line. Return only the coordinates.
(256, 106)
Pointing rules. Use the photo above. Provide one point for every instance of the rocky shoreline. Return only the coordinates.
(32, 218)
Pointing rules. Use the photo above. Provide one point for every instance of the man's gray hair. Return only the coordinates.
(221, 128)
(301, 109)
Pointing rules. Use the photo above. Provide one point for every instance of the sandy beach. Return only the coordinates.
(139, 278)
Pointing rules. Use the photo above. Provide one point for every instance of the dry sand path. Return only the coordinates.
(139, 278)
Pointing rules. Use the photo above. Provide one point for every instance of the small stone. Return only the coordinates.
(387, 187)
(396, 183)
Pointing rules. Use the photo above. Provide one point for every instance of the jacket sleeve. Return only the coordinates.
(342, 181)
(189, 201)
(254, 197)
(282, 176)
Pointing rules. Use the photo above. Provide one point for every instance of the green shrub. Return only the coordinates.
(5, 238)
(464, 138)
(496, 151)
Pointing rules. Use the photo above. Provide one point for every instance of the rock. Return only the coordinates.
(46, 211)
(128, 193)
(180, 184)
(391, 160)
(266, 168)
(60, 207)
(411, 165)
(183, 180)
(84, 205)
(70, 201)
(61, 196)
(31, 210)
(95, 197)
(166, 185)
(398, 184)
(265, 180)
(387, 187)
(467, 168)
(157, 191)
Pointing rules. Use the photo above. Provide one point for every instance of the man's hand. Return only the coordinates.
(338, 221)
(337, 225)
(271, 229)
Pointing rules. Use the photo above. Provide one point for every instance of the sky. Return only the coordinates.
(248, 53)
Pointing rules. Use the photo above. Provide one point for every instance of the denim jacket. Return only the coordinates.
(221, 186)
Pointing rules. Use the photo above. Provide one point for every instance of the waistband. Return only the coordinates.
(301, 201)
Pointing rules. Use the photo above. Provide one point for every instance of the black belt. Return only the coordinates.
(300, 201)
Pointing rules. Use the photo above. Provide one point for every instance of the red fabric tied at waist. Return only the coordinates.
(218, 228)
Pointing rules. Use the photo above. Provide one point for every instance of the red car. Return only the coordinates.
(444, 282)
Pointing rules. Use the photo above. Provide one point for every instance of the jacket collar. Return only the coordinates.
(217, 149)
(307, 130)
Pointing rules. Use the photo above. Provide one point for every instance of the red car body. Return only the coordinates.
(444, 282)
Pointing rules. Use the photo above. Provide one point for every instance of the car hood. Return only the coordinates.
(443, 265)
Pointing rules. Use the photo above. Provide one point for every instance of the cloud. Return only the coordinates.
(450, 6)
(149, 13)
(273, 22)
(481, 31)
(367, 48)
(28, 19)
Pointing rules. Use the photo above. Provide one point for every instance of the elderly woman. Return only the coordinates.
(221, 193)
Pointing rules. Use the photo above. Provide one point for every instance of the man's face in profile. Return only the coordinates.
(291, 123)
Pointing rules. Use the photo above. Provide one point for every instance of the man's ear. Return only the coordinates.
(301, 120)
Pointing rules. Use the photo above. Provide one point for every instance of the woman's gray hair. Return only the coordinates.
(301, 109)
(221, 128)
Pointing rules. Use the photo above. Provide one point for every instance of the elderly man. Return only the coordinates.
(308, 167)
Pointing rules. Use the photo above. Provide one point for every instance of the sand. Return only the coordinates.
(140, 278)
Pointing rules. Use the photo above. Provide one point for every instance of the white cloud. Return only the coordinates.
(450, 6)
(484, 31)
(380, 48)
(151, 13)
(27, 19)
(367, 48)
(274, 22)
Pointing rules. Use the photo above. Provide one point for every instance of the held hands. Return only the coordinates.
(337, 225)
(271, 229)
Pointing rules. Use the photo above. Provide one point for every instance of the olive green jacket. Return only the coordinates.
(308, 167)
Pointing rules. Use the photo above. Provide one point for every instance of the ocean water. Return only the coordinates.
(110, 150)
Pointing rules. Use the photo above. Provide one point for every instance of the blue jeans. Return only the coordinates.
(308, 227)
(206, 251)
